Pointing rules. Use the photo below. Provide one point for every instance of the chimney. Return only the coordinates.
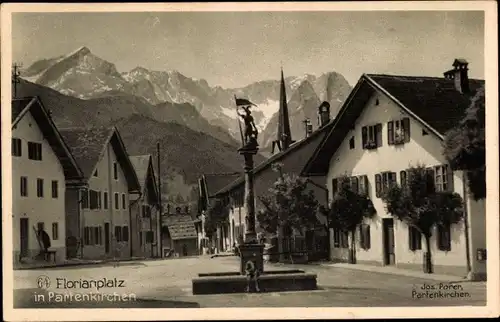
(459, 74)
(323, 114)
(307, 127)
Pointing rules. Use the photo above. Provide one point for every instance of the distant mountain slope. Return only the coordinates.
(84, 75)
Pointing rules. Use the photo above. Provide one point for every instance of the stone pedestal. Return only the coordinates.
(254, 253)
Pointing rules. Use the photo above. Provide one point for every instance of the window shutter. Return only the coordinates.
(334, 187)
(361, 236)
(96, 235)
(355, 184)
(364, 136)
(411, 238)
(406, 129)
(402, 178)
(362, 185)
(378, 134)
(378, 185)
(431, 185)
(100, 235)
(125, 234)
(390, 132)
(85, 199)
(449, 179)
(392, 179)
(368, 237)
(336, 238)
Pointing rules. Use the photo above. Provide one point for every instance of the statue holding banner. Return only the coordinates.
(250, 134)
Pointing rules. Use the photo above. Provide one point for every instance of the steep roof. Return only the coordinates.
(432, 101)
(20, 107)
(143, 166)
(88, 146)
(180, 226)
(277, 157)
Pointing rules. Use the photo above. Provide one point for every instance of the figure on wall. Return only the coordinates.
(250, 134)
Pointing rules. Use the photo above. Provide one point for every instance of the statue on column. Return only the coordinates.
(251, 133)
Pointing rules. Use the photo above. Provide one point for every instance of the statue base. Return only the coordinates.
(254, 253)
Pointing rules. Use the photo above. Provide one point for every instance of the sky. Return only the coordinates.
(233, 49)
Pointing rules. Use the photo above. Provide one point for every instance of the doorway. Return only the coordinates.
(388, 240)
(106, 238)
(24, 237)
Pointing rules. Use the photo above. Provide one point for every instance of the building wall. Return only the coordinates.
(422, 149)
(44, 209)
(141, 225)
(72, 218)
(104, 182)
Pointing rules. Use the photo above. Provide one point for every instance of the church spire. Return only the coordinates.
(284, 135)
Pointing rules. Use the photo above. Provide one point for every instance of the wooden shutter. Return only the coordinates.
(392, 179)
(355, 184)
(85, 199)
(378, 135)
(402, 178)
(363, 185)
(364, 136)
(96, 235)
(336, 238)
(125, 233)
(406, 129)
(378, 185)
(367, 237)
(361, 236)
(411, 238)
(100, 235)
(431, 185)
(390, 132)
(449, 179)
(334, 187)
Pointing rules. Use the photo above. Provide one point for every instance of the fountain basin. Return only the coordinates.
(270, 281)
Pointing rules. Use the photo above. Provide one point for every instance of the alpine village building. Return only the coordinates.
(42, 169)
(293, 156)
(387, 124)
(145, 207)
(100, 215)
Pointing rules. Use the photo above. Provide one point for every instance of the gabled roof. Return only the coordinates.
(432, 101)
(20, 107)
(277, 157)
(143, 166)
(88, 145)
(180, 226)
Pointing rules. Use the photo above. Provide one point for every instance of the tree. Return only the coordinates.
(288, 206)
(419, 205)
(465, 148)
(349, 209)
(217, 215)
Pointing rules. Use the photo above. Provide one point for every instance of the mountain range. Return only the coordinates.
(194, 122)
(170, 96)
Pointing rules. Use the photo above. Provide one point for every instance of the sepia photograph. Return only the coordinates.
(249, 156)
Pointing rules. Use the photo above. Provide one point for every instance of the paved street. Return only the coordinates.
(167, 283)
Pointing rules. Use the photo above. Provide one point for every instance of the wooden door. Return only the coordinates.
(24, 237)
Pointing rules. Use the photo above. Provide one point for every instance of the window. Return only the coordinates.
(17, 147)
(39, 187)
(97, 238)
(146, 211)
(117, 205)
(371, 136)
(377, 102)
(124, 201)
(24, 186)
(340, 238)
(414, 238)
(115, 171)
(442, 178)
(105, 200)
(100, 235)
(140, 238)
(354, 182)
(94, 199)
(398, 132)
(444, 237)
(96, 173)
(85, 199)
(55, 231)
(125, 233)
(364, 236)
(149, 236)
(34, 151)
(383, 181)
(424, 132)
(351, 143)
(55, 189)
(363, 185)
(118, 233)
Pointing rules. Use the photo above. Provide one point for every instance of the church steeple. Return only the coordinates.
(284, 138)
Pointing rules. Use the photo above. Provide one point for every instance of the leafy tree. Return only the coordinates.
(418, 205)
(348, 209)
(288, 206)
(465, 148)
(216, 216)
